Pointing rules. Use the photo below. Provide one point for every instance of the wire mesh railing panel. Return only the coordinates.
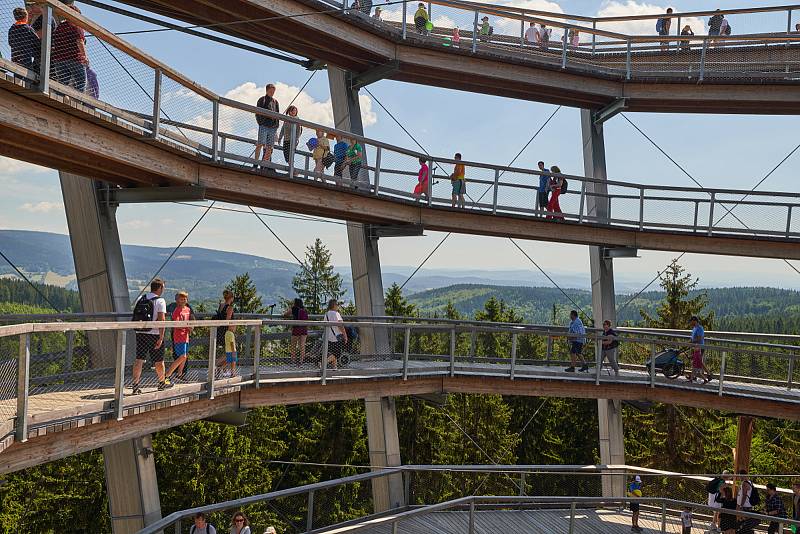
(9, 358)
(180, 104)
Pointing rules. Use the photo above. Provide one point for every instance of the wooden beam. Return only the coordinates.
(744, 440)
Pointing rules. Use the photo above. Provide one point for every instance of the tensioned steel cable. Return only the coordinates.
(171, 254)
(19, 272)
(308, 218)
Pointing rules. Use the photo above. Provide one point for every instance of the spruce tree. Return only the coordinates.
(317, 282)
(247, 299)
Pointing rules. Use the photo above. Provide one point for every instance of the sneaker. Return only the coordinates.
(166, 384)
(584, 369)
(569, 370)
(136, 389)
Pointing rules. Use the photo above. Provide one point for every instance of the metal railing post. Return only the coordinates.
(23, 382)
(378, 170)
(306, 166)
(703, 60)
(789, 222)
(722, 372)
(496, 188)
(324, 363)
(292, 147)
(513, 355)
(475, 34)
(791, 373)
(430, 182)
(452, 352)
(212, 360)
(248, 342)
(522, 32)
(628, 61)
(215, 131)
(522, 483)
(564, 48)
(310, 512)
(222, 140)
(789, 24)
(549, 355)
(154, 130)
(594, 35)
(394, 527)
(653, 365)
(677, 33)
(119, 375)
(572, 518)
(663, 517)
(641, 208)
(178, 526)
(472, 517)
(46, 48)
(406, 351)
(598, 355)
(405, 17)
(696, 213)
(582, 202)
(473, 342)
(257, 355)
(70, 350)
(711, 213)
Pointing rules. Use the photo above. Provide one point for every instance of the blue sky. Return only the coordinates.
(721, 151)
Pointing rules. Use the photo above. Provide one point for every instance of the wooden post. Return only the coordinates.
(744, 439)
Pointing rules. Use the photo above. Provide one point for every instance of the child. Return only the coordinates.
(686, 520)
(456, 38)
(180, 336)
(422, 179)
(320, 153)
(339, 153)
(230, 352)
(459, 183)
(697, 365)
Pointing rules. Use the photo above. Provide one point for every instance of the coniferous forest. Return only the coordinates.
(287, 446)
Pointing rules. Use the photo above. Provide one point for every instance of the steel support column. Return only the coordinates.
(384, 442)
(130, 467)
(609, 412)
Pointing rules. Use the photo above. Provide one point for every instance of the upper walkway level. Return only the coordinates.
(753, 71)
(152, 126)
(65, 386)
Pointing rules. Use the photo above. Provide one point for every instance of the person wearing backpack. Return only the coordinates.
(150, 342)
(337, 335)
(224, 313)
(746, 500)
(663, 25)
(713, 488)
(201, 525)
(556, 186)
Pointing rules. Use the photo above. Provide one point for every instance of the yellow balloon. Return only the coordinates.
(637, 493)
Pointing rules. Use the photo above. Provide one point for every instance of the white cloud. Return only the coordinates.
(617, 8)
(136, 224)
(14, 166)
(42, 207)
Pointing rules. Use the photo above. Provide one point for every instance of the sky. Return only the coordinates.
(719, 151)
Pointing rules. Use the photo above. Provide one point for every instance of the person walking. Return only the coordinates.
(240, 524)
(699, 339)
(320, 154)
(576, 342)
(485, 30)
(297, 344)
(686, 31)
(727, 521)
(423, 179)
(69, 55)
(686, 520)
(23, 41)
(610, 346)
(773, 506)
(554, 185)
(267, 126)
(421, 19)
(544, 36)
(224, 312)
(796, 501)
(713, 489)
(285, 139)
(663, 25)
(150, 342)
(459, 182)
(542, 191)
(231, 354)
(574, 37)
(180, 336)
(337, 335)
(201, 525)
(635, 491)
(715, 24)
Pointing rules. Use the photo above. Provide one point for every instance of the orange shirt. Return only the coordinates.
(459, 172)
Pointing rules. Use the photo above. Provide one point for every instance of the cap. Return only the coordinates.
(638, 478)
(726, 472)
(694, 318)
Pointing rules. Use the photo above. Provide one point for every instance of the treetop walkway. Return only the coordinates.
(65, 386)
(752, 71)
(153, 127)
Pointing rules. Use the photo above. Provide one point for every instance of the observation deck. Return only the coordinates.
(754, 72)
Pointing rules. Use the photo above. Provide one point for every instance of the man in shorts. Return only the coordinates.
(541, 195)
(576, 340)
(150, 343)
(459, 181)
(231, 356)
(267, 126)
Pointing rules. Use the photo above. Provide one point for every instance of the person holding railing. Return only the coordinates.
(423, 178)
(544, 36)
(354, 158)
(542, 191)
(339, 156)
(687, 30)
(267, 126)
(609, 347)
(576, 340)
(555, 185)
(181, 311)
(485, 30)
(320, 154)
(532, 34)
(459, 182)
(286, 134)
(69, 55)
(23, 41)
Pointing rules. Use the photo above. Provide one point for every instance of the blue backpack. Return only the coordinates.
(659, 25)
(312, 143)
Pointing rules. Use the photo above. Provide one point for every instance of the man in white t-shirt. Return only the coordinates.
(150, 343)
(337, 335)
(532, 34)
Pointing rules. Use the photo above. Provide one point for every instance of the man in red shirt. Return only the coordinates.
(69, 55)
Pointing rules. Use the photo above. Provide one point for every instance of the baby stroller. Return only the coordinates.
(669, 362)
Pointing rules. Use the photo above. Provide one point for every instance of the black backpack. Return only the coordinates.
(220, 315)
(143, 311)
(564, 186)
(208, 528)
(755, 497)
(714, 485)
